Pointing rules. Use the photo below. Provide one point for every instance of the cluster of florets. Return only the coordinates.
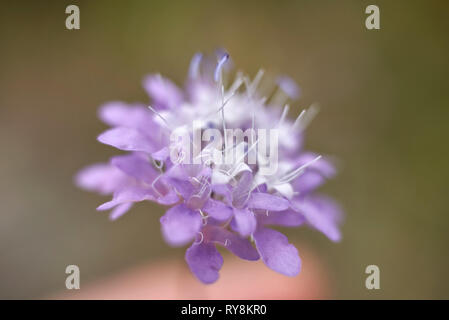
(225, 159)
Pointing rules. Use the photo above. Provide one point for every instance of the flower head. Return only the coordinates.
(227, 161)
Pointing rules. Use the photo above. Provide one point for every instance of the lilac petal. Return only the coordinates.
(186, 172)
(244, 222)
(201, 195)
(127, 139)
(161, 155)
(217, 210)
(308, 181)
(120, 114)
(266, 201)
(276, 252)
(287, 218)
(127, 194)
(101, 177)
(321, 213)
(184, 188)
(170, 198)
(180, 225)
(195, 202)
(204, 261)
(262, 188)
(239, 246)
(180, 178)
(137, 166)
(120, 210)
(165, 94)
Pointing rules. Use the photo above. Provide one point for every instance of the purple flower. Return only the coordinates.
(184, 152)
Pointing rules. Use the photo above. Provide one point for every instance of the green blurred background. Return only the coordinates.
(384, 97)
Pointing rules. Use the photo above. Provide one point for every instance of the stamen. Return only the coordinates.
(153, 185)
(228, 174)
(194, 68)
(221, 62)
(202, 239)
(295, 173)
(298, 120)
(247, 151)
(236, 84)
(158, 164)
(204, 185)
(305, 117)
(283, 115)
(202, 213)
(160, 116)
(253, 86)
(226, 243)
(225, 102)
(262, 101)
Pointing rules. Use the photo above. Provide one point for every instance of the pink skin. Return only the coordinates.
(239, 279)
